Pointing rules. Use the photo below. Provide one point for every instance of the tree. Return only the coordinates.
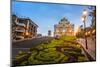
(92, 14)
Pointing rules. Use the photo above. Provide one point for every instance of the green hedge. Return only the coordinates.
(47, 53)
(46, 56)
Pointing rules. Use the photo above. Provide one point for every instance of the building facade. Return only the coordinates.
(64, 28)
(49, 33)
(23, 28)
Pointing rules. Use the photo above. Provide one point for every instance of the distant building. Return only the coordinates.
(23, 28)
(79, 31)
(64, 28)
(49, 33)
(39, 35)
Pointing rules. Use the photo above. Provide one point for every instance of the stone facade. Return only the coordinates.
(64, 28)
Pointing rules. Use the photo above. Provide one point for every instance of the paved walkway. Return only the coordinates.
(91, 46)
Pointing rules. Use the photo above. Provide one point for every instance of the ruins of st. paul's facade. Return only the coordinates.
(64, 28)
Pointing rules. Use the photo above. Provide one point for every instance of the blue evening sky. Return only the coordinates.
(45, 15)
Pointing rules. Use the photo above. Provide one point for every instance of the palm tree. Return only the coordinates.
(92, 14)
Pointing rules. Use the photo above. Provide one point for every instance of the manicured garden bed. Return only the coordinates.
(62, 50)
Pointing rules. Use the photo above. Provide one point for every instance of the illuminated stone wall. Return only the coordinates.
(64, 28)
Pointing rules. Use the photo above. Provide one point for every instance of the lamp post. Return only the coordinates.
(84, 14)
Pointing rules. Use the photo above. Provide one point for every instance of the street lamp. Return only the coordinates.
(84, 14)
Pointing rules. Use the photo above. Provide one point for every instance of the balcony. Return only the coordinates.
(20, 24)
(20, 30)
